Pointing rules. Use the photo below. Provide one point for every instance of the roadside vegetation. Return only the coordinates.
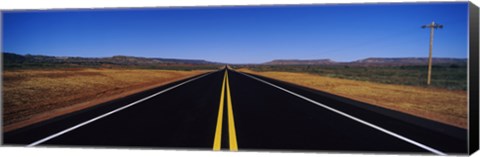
(447, 76)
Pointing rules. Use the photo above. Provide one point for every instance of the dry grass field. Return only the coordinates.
(30, 96)
(442, 105)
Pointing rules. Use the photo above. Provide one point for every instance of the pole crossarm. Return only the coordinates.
(433, 25)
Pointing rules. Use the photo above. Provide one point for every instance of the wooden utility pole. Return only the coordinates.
(432, 27)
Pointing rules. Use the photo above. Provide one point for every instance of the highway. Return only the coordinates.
(233, 111)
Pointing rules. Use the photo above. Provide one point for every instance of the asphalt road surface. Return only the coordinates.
(229, 110)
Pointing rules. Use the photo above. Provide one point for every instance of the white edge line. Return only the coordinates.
(353, 118)
(111, 112)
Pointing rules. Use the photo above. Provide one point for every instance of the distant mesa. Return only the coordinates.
(12, 58)
(408, 61)
(370, 61)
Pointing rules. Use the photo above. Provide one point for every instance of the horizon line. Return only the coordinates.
(313, 59)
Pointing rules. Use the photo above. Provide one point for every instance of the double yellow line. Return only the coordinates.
(232, 136)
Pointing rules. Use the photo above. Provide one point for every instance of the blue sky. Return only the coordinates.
(252, 34)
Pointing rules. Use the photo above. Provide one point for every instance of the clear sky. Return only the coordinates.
(253, 34)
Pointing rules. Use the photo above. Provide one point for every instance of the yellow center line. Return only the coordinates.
(231, 123)
(218, 132)
(232, 136)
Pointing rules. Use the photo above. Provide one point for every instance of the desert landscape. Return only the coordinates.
(330, 78)
(37, 88)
